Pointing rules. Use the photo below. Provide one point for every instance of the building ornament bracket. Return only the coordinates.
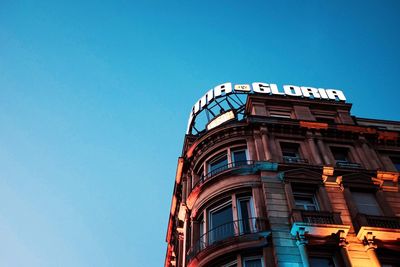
(388, 181)
(301, 237)
(369, 241)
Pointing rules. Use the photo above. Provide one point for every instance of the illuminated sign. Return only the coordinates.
(262, 88)
(224, 117)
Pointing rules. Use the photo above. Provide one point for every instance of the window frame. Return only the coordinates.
(253, 258)
(304, 194)
(299, 144)
(204, 214)
(227, 151)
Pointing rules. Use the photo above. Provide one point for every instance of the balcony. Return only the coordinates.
(228, 232)
(250, 165)
(347, 164)
(317, 223)
(382, 227)
(288, 159)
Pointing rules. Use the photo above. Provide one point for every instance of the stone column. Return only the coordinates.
(370, 247)
(264, 138)
(324, 153)
(343, 244)
(313, 148)
(301, 242)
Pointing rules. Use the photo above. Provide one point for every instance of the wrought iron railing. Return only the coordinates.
(229, 166)
(288, 159)
(347, 164)
(318, 217)
(226, 231)
(378, 221)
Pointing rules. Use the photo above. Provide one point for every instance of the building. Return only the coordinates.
(285, 178)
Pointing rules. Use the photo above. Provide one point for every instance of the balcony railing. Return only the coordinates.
(288, 159)
(317, 217)
(378, 221)
(229, 166)
(226, 231)
(347, 164)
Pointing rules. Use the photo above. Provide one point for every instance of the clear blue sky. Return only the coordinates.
(94, 99)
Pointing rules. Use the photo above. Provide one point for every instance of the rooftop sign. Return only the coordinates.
(262, 88)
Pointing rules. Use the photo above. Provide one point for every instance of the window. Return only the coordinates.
(239, 157)
(227, 218)
(221, 223)
(387, 257)
(322, 262)
(280, 114)
(324, 256)
(218, 163)
(340, 154)
(305, 201)
(231, 157)
(396, 162)
(343, 158)
(231, 264)
(290, 152)
(366, 203)
(245, 212)
(325, 120)
(252, 262)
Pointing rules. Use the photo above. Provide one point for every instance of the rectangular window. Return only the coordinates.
(290, 152)
(305, 201)
(366, 203)
(218, 163)
(325, 120)
(245, 212)
(280, 114)
(221, 223)
(396, 162)
(340, 154)
(231, 264)
(202, 233)
(322, 262)
(252, 262)
(239, 157)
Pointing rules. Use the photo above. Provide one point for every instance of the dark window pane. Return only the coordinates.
(252, 263)
(245, 215)
(305, 201)
(239, 157)
(340, 154)
(396, 162)
(321, 262)
(221, 224)
(217, 164)
(290, 150)
(366, 203)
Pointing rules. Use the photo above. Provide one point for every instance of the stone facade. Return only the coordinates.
(297, 182)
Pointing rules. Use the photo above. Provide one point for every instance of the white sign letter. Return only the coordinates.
(335, 94)
(292, 90)
(262, 88)
(225, 87)
(308, 91)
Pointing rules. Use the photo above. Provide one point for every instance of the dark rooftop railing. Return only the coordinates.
(226, 231)
(229, 166)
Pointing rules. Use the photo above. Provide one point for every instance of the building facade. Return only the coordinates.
(294, 181)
